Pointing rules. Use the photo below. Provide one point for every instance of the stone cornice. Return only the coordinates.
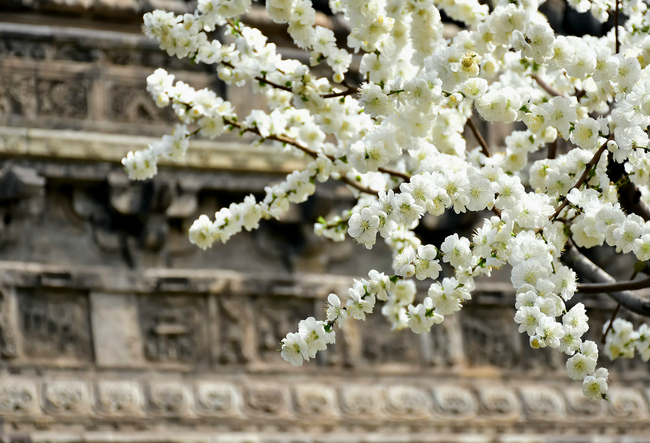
(98, 147)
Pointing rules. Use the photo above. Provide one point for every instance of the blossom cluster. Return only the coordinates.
(622, 340)
(397, 141)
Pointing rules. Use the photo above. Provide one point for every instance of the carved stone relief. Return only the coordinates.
(18, 397)
(266, 400)
(407, 401)
(236, 330)
(173, 328)
(133, 104)
(316, 401)
(67, 397)
(168, 398)
(541, 402)
(274, 318)
(626, 403)
(55, 326)
(63, 98)
(381, 346)
(360, 401)
(490, 337)
(217, 399)
(499, 402)
(17, 94)
(578, 404)
(119, 398)
(454, 402)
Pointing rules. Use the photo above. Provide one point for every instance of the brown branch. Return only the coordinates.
(349, 91)
(611, 323)
(397, 174)
(597, 288)
(306, 150)
(546, 87)
(357, 186)
(552, 149)
(629, 300)
(583, 177)
(477, 135)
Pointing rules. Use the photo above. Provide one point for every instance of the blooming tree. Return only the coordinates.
(397, 142)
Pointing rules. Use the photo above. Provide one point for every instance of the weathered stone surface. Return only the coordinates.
(116, 337)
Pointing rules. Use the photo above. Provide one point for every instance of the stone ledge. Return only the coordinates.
(202, 154)
(188, 281)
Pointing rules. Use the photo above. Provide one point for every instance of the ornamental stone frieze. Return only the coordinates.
(249, 402)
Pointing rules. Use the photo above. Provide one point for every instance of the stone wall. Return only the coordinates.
(113, 328)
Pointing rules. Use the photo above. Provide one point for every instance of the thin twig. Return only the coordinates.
(546, 87)
(349, 91)
(477, 135)
(306, 150)
(583, 177)
(611, 322)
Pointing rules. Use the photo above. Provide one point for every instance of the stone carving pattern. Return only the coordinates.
(316, 401)
(55, 325)
(168, 398)
(274, 319)
(578, 404)
(379, 347)
(454, 401)
(218, 399)
(498, 401)
(626, 403)
(17, 397)
(173, 328)
(234, 327)
(265, 400)
(123, 399)
(407, 401)
(541, 402)
(360, 401)
(63, 98)
(119, 397)
(17, 94)
(489, 339)
(133, 104)
(66, 397)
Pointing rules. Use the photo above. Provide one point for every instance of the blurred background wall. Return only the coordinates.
(114, 328)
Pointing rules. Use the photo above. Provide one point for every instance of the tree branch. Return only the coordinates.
(583, 177)
(310, 152)
(552, 149)
(629, 300)
(597, 288)
(546, 87)
(477, 135)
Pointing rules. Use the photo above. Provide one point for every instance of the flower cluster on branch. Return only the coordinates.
(398, 142)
